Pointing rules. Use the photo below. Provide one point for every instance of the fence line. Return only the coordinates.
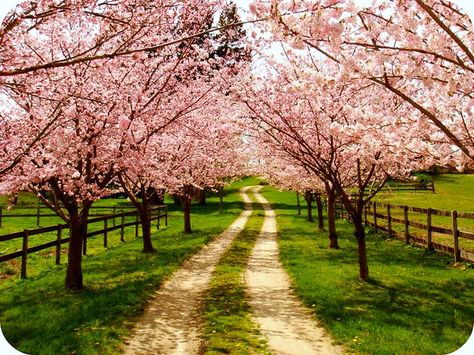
(39, 208)
(375, 212)
(162, 212)
(410, 186)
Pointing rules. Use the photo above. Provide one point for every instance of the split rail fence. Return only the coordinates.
(445, 231)
(111, 222)
(411, 186)
(42, 211)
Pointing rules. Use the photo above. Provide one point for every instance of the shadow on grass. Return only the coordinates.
(415, 302)
(39, 309)
(210, 207)
(411, 295)
(39, 317)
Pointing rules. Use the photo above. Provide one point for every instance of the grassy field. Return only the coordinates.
(415, 303)
(453, 192)
(39, 317)
(17, 224)
(228, 328)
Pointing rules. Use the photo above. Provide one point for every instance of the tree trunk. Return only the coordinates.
(221, 198)
(78, 233)
(155, 196)
(309, 206)
(176, 200)
(319, 204)
(298, 202)
(187, 214)
(201, 197)
(360, 235)
(333, 244)
(146, 229)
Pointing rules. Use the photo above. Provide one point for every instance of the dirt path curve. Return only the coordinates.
(170, 324)
(286, 323)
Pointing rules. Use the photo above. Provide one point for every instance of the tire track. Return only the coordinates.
(171, 323)
(287, 324)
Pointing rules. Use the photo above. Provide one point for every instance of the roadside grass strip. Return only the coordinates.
(227, 316)
(415, 302)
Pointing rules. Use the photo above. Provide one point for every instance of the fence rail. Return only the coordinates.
(410, 186)
(38, 212)
(156, 213)
(394, 216)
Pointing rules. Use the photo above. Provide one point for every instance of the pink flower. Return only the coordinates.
(124, 122)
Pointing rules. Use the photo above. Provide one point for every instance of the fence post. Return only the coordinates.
(457, 256)
(389, 221)
(113, 221)
(38, 216)
(0, 217)
(298, 202)
(158, 219)
(24, 254)
(429, 240)
(58, 244)
(136, 225)
(375, 216)
(105, 231)
(166, 216)
(122, 229)
(405, 216)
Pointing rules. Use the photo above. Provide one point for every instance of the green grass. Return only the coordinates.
(415, 303)
(39, 317)
(453, 192)
(228, 327)
(18, 224)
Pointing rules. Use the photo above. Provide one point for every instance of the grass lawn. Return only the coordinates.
(228, 327)
(453, 192)
(39, 317)
(415, 303)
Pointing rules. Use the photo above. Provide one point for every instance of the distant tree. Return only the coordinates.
(231, 46)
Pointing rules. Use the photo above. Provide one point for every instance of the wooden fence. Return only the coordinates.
(39, 211)
(395, 221)
(156, 213)
(410, 186)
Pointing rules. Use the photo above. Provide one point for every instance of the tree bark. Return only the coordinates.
(298, 202)
(201, 197)
(319, 204)
(361, 246)
(146, 229)
(148, 194)
(187, 214)
(309, 206)
(333, 243)
(78, 233)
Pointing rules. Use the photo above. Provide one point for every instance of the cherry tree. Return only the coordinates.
(45, 36)
(419, 51)
(204, 151)
(90, 105)
(149, 140)
(75, 165)
(335, 131)
(281, 171)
